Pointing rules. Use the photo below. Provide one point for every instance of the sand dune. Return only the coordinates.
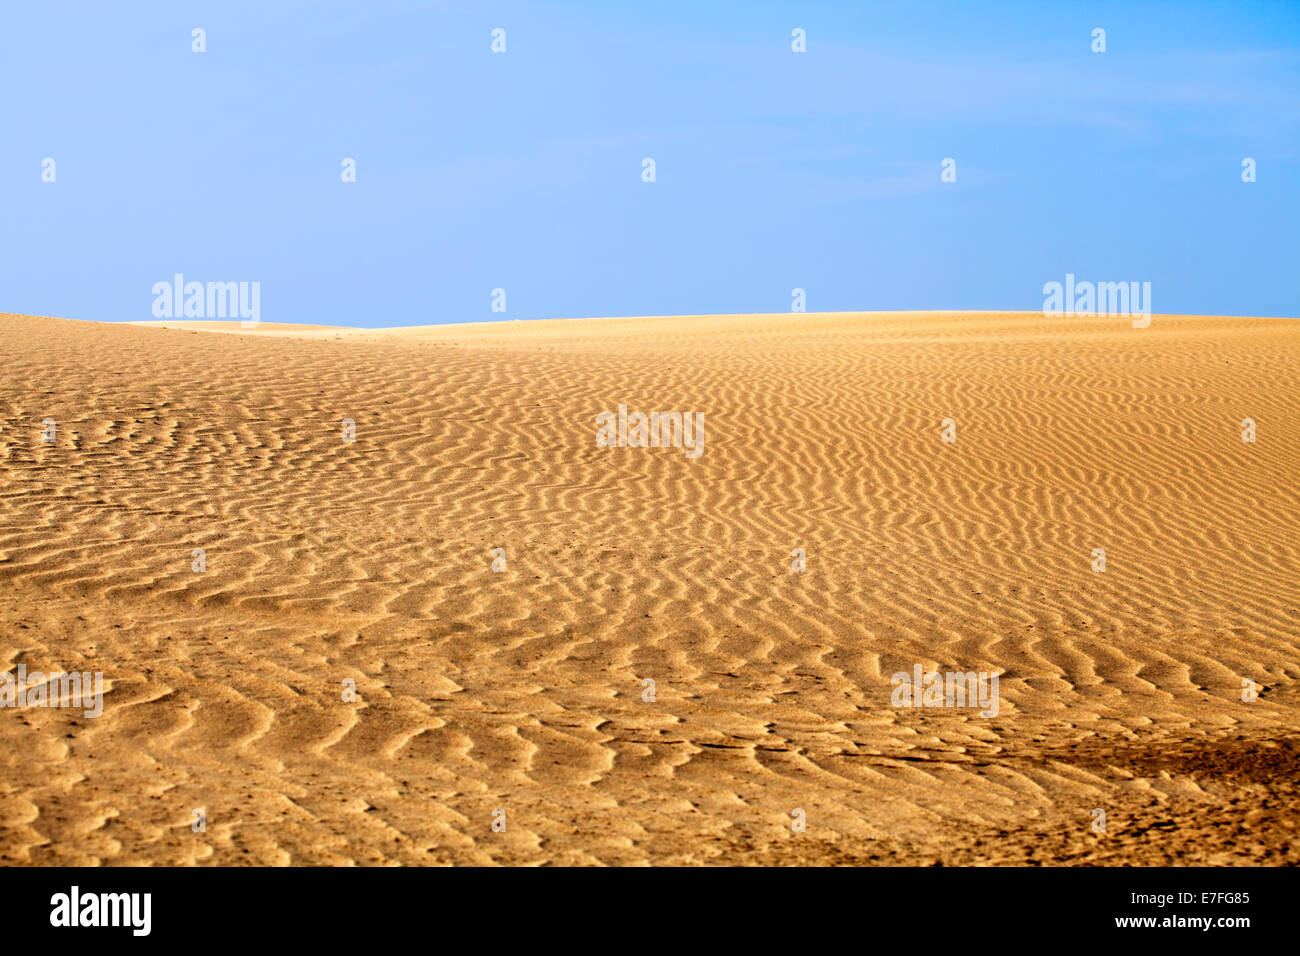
(522, 690)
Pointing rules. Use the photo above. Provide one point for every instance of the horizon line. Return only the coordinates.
(177, 322)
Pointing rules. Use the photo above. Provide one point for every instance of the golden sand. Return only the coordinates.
(522, 690)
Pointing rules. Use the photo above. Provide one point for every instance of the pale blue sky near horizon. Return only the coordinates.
(775, 170)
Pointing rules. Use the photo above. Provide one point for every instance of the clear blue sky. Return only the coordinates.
(522, 170)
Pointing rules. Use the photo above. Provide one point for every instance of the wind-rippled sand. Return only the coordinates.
(522, 690)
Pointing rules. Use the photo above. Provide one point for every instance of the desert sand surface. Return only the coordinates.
(522, 690)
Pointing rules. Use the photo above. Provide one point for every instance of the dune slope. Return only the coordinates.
(523, 690)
